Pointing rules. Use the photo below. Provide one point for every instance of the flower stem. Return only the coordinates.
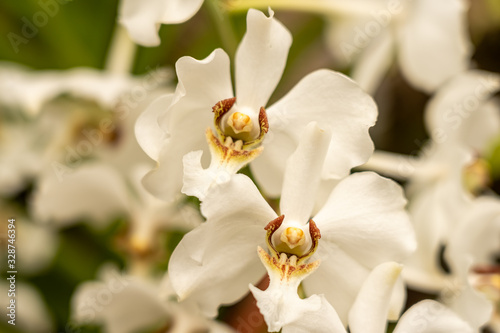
(223, 24)
(121, 53)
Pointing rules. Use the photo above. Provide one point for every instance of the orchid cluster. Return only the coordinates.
(259, 187)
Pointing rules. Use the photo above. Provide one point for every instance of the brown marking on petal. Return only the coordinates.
(271, 227)
(275, 224)
(287, 269)
(264, 128)
(315, 236)
(264, 124)
(314, 230)
(229, 153)
(219, 110)
(486, 269)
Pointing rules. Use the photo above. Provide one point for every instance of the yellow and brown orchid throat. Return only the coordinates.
(292, 241)
(291, 265)
(239, 126)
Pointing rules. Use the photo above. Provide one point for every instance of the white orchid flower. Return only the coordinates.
(39, 125)
(473, 287)
(429, 38)
(369, 312)
(462, 120)
(362, 224)
(125, 303)
(30, 90)
(54, 120)
(142, 19)
(97, 193)
(34, 316)
(244, 124)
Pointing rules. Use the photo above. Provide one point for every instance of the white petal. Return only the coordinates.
(472, 306)
(483, 127)
(39, 244)
(303, 172)
(334, 101)
(148, 132)
(367, 209)
(428, 211)
(284, 309)
(343, 39)
(142, 18)
(260, 59)
(198, 181)
(431, 317)
(165, 182)
(398, 300)
(374, 62)
(437, 202)
(32, 313)
(461, 297)
(339, 277)
(434, 42)
(236, 216)
(124, 304)
(92, 191)
(477, 233)
(178, 11)
(197, 277)
(324, 320)
(30, 90)
(450, 112)
(19, 159)
(268, 169)
(370, 310)
(202, 83)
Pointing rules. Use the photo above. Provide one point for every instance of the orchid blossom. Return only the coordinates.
(134, 303)
(244, 125)
(335, 265)
(368, 314)
(429, 38)
(142, 19)
(463, 120)
(48, 113)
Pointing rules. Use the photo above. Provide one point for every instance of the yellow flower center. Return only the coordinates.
(240, 122)
(293, 237)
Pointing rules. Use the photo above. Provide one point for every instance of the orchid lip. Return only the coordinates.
(234, 122)
(292, 238)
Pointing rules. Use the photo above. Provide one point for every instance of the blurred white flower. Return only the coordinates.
(369, 312)
(472, 253)
(462, 120)
(142, 18)
(32, 313)
(53, 120)
(180, 121)
(29, 90)
(124, 303)
(97, 193)
(362, 209)
(429, 39)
